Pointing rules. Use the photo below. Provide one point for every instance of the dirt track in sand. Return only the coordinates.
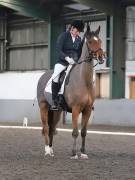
(22, 157)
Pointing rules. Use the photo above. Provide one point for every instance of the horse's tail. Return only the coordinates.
(50, 121)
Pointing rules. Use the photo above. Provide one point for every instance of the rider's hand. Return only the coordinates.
(70, 60)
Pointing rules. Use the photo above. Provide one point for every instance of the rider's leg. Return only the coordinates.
(55, 86)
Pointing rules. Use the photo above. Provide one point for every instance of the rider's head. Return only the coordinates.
(77, 26)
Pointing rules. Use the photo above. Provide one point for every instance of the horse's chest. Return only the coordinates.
(82, 99)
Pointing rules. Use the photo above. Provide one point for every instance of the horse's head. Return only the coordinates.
(94, 44)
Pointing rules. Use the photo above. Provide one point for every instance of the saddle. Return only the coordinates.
(63, 81)
(62, 77)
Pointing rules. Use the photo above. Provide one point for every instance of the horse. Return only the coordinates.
(79, 95)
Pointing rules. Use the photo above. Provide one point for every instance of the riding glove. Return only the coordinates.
(70, 60)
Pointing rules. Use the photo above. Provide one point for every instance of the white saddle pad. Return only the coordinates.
(48, 87)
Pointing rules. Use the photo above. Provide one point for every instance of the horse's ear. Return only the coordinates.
(88, 28)
(97, 31)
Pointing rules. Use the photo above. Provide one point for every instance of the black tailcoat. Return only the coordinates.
(65, 47)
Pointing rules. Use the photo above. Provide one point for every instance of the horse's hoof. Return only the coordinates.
(47, 154)
(49, 151)
(84, 156)
(51, 155)
(74, 157)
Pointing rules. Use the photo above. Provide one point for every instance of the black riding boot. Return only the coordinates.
(55, 89)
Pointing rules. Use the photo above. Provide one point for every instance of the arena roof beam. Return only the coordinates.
(107, 6)
(78, 7)
(128, 2)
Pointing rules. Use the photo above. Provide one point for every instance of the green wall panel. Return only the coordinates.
(117, 65)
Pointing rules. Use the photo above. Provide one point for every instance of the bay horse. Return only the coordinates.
(79, 94)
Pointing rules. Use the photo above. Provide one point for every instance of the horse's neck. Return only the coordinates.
(86, 68)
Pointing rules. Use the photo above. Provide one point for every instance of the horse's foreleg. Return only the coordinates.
(85, 117)
(75, 133)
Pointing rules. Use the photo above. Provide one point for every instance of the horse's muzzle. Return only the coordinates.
(101, 62)
(101, 56)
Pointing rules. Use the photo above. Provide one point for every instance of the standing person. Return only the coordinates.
(68, 51)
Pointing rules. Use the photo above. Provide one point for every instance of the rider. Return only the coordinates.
(68, 51)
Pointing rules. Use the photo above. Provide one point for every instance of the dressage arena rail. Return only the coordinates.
(70, 130)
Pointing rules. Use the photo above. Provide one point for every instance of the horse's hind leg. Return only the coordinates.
(55, 117)
(75, 133)
(44, 118)
(85, 117)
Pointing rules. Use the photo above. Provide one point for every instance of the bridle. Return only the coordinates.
(92, 56)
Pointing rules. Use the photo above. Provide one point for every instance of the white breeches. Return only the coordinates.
(57, 70)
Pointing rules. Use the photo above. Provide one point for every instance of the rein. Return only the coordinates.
(87, 61)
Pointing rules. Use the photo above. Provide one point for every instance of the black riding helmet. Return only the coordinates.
(78, 24)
